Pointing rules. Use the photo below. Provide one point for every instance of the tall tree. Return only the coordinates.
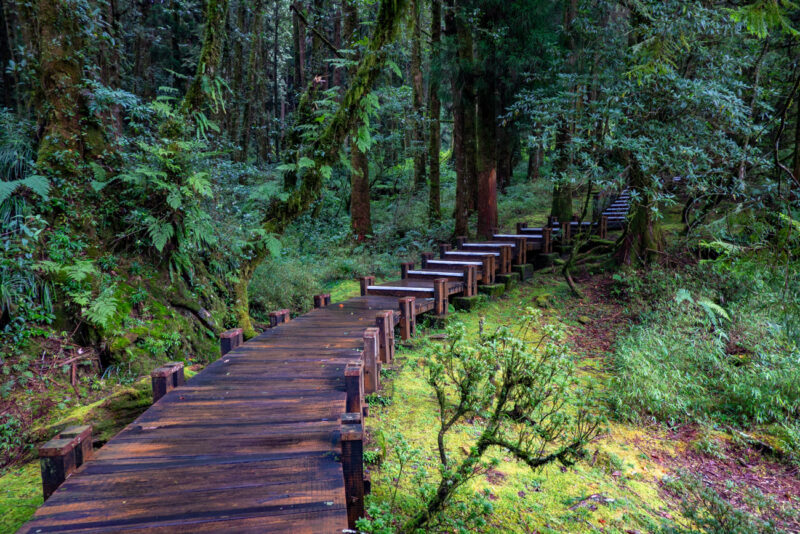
(360, 209)
(252, 73)
(417, 90)
(204, 83)
(462, 83)
(434, 114)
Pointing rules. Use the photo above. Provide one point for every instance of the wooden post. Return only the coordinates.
(440, 296)
(444, 248)
(425, 257)
(275, 318)
(603, 226)
(354, 385)
(575, 217)
(404, 268)
(566, 232)
(460, 242)
(178, 378)
(365, 282)
(520, 226)
(82, 435)
(505, 260)
(371, 356)
(521, 244)
(57, 461)
(353, 469)
(408, 318)
(286, 315)
(385, 323)
(552, 221)
(470, 281)
(547, 238)
(229, 340)
(320, 301)
(161, 380)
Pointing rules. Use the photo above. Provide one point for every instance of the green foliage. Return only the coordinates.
(691, 359)
(712, 514)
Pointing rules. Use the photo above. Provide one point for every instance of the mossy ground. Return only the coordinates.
(616, 489)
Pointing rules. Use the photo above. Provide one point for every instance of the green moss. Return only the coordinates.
(469, 303)
(492, 290)
(525, 271)
(20, 495)
(510, 280)
(616, 490)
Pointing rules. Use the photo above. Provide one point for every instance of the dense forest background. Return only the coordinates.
(172, 169)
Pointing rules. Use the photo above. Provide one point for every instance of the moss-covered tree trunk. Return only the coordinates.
(417, 90)
(7, 98)
(796, 166)
(642, 240)
(434, 114)
(252, 73)
(216, 11)
(360, 209)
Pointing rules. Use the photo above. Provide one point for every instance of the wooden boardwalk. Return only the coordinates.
(269, 438)
(250, 444)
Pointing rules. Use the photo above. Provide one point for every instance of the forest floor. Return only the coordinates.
(627, 484)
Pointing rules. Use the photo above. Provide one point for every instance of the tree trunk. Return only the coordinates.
(299, 33)
(5, 58)
(434, 114)
(462, 87)
(252, 66)
(360, 216)
(61, 42)
(487, 157)
(275, 55)
(417, 122)
(216, 13)
(796, 166)
(562, 191)
(643, 238)
(534, 162)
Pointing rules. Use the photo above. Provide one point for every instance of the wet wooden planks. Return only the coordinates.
(250, 444)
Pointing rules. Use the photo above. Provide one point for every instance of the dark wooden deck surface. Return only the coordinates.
(250, 444)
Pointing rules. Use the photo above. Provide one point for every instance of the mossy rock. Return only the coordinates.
(545, 260)
(509, 280)
(543, 301)
(584, 319)
(469, 303)
(525, 271)
(492, 290)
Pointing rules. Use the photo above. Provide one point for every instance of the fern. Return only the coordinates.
(103, 309)
(38, 184)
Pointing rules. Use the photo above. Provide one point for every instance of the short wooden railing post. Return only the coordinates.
(408, 318)
(603, 226)
(178, 378)
(521, 244)
(440, 296)
(353, 469)
(57, 460)
(444, 248)
(82, 435)
(365, 282)
(371, 356)
(404, 268)
(385, 323)
(471, 280)
(354, 386)
(460, 242)
(566, 232)
(161, 380)
(547, 238)
(426, 257)
(552, 221)
(322, 301)
(230, 339)
(520, 226)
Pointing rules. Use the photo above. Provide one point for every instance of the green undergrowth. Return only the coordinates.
(616, 489)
